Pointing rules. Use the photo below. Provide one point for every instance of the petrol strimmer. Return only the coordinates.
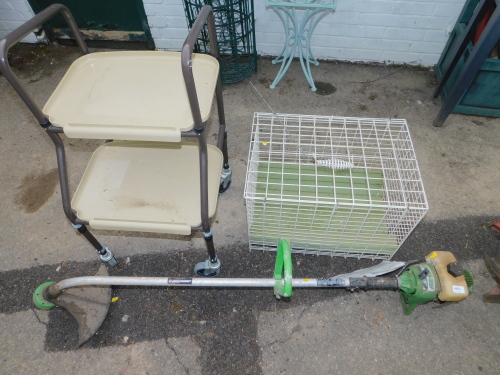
(439, 278)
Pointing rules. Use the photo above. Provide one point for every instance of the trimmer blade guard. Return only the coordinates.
(89, 305)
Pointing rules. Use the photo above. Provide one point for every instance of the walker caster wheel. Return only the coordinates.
(223, 189)
(38, 298)
(207, 268)
(225, 180)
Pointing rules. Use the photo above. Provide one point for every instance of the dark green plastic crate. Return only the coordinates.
(482, 97)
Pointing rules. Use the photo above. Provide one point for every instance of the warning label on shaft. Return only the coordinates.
(179, 281)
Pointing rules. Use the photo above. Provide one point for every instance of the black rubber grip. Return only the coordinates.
(381, 283)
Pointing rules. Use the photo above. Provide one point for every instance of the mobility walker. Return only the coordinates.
(146, 179)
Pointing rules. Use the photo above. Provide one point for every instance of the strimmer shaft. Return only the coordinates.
(387, 283)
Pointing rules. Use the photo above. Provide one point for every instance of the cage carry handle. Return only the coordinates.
(19, 34)
(283, 270)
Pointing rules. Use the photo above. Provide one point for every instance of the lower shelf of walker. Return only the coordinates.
(146, 187)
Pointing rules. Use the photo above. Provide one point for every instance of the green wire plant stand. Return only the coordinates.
(235, 28)
(298, 33)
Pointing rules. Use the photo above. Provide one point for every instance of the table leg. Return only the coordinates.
(289, 19)
(297, 37)
(309, 22)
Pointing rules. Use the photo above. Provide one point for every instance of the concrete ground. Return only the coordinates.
(231, 331)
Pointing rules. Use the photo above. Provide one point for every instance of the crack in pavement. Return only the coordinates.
(295, 329)
(38, 318)
(186, 370)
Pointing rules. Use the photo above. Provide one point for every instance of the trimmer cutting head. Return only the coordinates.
(88, 304)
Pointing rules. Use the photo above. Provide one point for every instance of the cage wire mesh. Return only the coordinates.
(335, 186)
(235, 27)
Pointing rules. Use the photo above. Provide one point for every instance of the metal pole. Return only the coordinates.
(341, 282)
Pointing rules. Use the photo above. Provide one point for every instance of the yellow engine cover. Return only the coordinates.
(453, 289)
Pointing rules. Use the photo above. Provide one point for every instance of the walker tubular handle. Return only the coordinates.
(19, 34)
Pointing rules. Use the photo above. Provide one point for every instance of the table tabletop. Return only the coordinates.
(327, 4)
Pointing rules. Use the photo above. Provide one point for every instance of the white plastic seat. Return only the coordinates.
(132, 186)
(132, 95)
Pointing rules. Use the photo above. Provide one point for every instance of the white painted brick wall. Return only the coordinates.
(168, 23)
(396, 31)
(13, 13)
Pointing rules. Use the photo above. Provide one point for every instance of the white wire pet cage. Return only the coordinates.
(339, 186)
